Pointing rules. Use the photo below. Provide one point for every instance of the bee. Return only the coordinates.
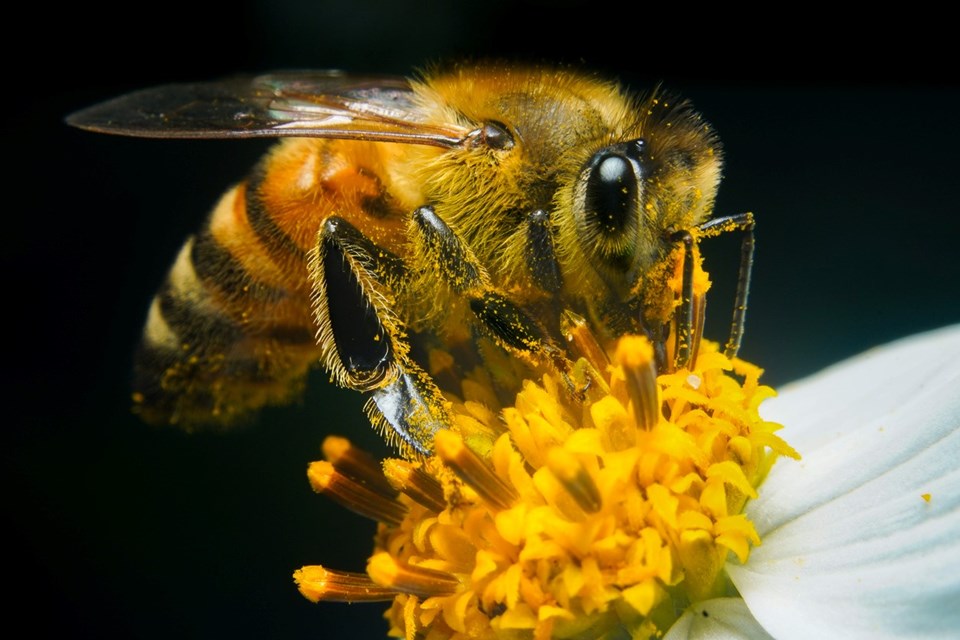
(475, 203)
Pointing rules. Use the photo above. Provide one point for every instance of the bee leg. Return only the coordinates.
(690, 313)
(541, 254)
(741, 222)
(508, 324)
(411, 406)
(541, 257)
(684, 319)
(363, 342)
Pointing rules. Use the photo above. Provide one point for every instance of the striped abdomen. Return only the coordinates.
(231, 329)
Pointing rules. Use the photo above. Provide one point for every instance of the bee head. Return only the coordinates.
(632, 195)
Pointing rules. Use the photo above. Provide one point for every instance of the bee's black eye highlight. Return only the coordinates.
(612, 193)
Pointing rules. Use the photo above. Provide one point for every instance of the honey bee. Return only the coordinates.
(476, 202)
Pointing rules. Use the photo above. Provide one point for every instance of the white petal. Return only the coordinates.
(820, 408)
(720, 619)
(850, 547)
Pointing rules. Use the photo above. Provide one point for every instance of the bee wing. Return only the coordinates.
(311, 104)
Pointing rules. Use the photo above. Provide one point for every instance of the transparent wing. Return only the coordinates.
(313, 104)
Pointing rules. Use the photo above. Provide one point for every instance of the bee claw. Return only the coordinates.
(409, 408)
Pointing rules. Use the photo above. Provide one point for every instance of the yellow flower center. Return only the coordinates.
(579, 512)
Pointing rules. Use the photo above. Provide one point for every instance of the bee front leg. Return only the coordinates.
(541, 254)
(690, 313)
(741, 222)
(508, 324)
(688, 326)
(362, 340)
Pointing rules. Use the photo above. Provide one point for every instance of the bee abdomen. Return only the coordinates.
(223, 338)
(260, 216)
(217, 267)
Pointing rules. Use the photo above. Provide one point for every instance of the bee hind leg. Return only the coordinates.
(363, 342)
(411, 407)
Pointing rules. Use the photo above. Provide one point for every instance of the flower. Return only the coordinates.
(862, 538)
(614, 522)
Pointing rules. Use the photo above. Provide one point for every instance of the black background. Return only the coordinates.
(117, 529)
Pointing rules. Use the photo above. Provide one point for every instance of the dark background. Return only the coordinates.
(117, 529)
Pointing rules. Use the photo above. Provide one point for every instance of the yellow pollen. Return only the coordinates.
(600, 504)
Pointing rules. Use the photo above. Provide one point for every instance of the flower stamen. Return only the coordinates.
(581, 342)
(415, 483)
(357, 464)
(601, 503)
(365, 501)
(470, 468)
(387, 571)
(635, 355)
(575, 479)
(318, 583)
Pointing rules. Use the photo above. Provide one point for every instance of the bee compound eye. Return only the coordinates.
(611, 195)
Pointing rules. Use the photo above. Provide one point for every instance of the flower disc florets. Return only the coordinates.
(597, 517)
